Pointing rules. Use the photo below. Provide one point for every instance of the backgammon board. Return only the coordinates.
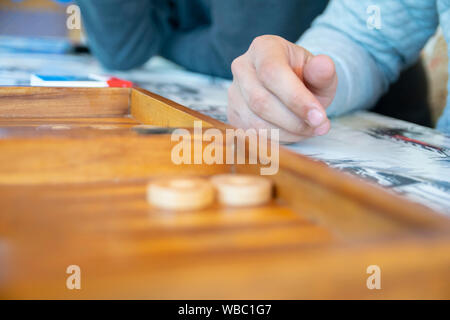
(74, 166)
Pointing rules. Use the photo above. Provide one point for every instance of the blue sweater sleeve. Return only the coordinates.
(211, 47)
(125, 34)
(369, 56)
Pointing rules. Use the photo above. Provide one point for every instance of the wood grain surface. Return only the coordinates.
(73, 176)
(29, 102)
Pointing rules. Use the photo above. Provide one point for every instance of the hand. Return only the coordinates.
(279, 85)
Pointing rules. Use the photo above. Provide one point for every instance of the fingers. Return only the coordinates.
(271, 60)
(261, 102)
(320, 77)
(278, 84)
(240, 116)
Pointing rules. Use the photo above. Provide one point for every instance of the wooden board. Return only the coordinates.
(73, 175)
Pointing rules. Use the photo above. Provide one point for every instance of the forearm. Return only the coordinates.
(124, 34)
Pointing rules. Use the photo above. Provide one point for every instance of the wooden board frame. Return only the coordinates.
(314, 175)
(370, 225)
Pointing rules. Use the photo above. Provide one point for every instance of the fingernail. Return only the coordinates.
(315, 117)
(322, 130)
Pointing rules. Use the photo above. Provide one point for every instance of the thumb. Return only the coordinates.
(319, 75)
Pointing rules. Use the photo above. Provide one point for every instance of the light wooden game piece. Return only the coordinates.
(242, 190)
(181, 194)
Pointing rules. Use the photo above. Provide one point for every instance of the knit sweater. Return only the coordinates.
(371, 42)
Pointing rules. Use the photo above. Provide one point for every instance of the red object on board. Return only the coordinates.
(114, 82)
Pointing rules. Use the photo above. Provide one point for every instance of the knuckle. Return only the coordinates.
(263, 40)
(258, 101)
(236, 66)
(295, 101)
(267, 71)
(257, 42)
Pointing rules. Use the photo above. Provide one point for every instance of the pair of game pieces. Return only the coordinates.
(185, 194)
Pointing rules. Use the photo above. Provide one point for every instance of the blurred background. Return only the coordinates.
(36, 18)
